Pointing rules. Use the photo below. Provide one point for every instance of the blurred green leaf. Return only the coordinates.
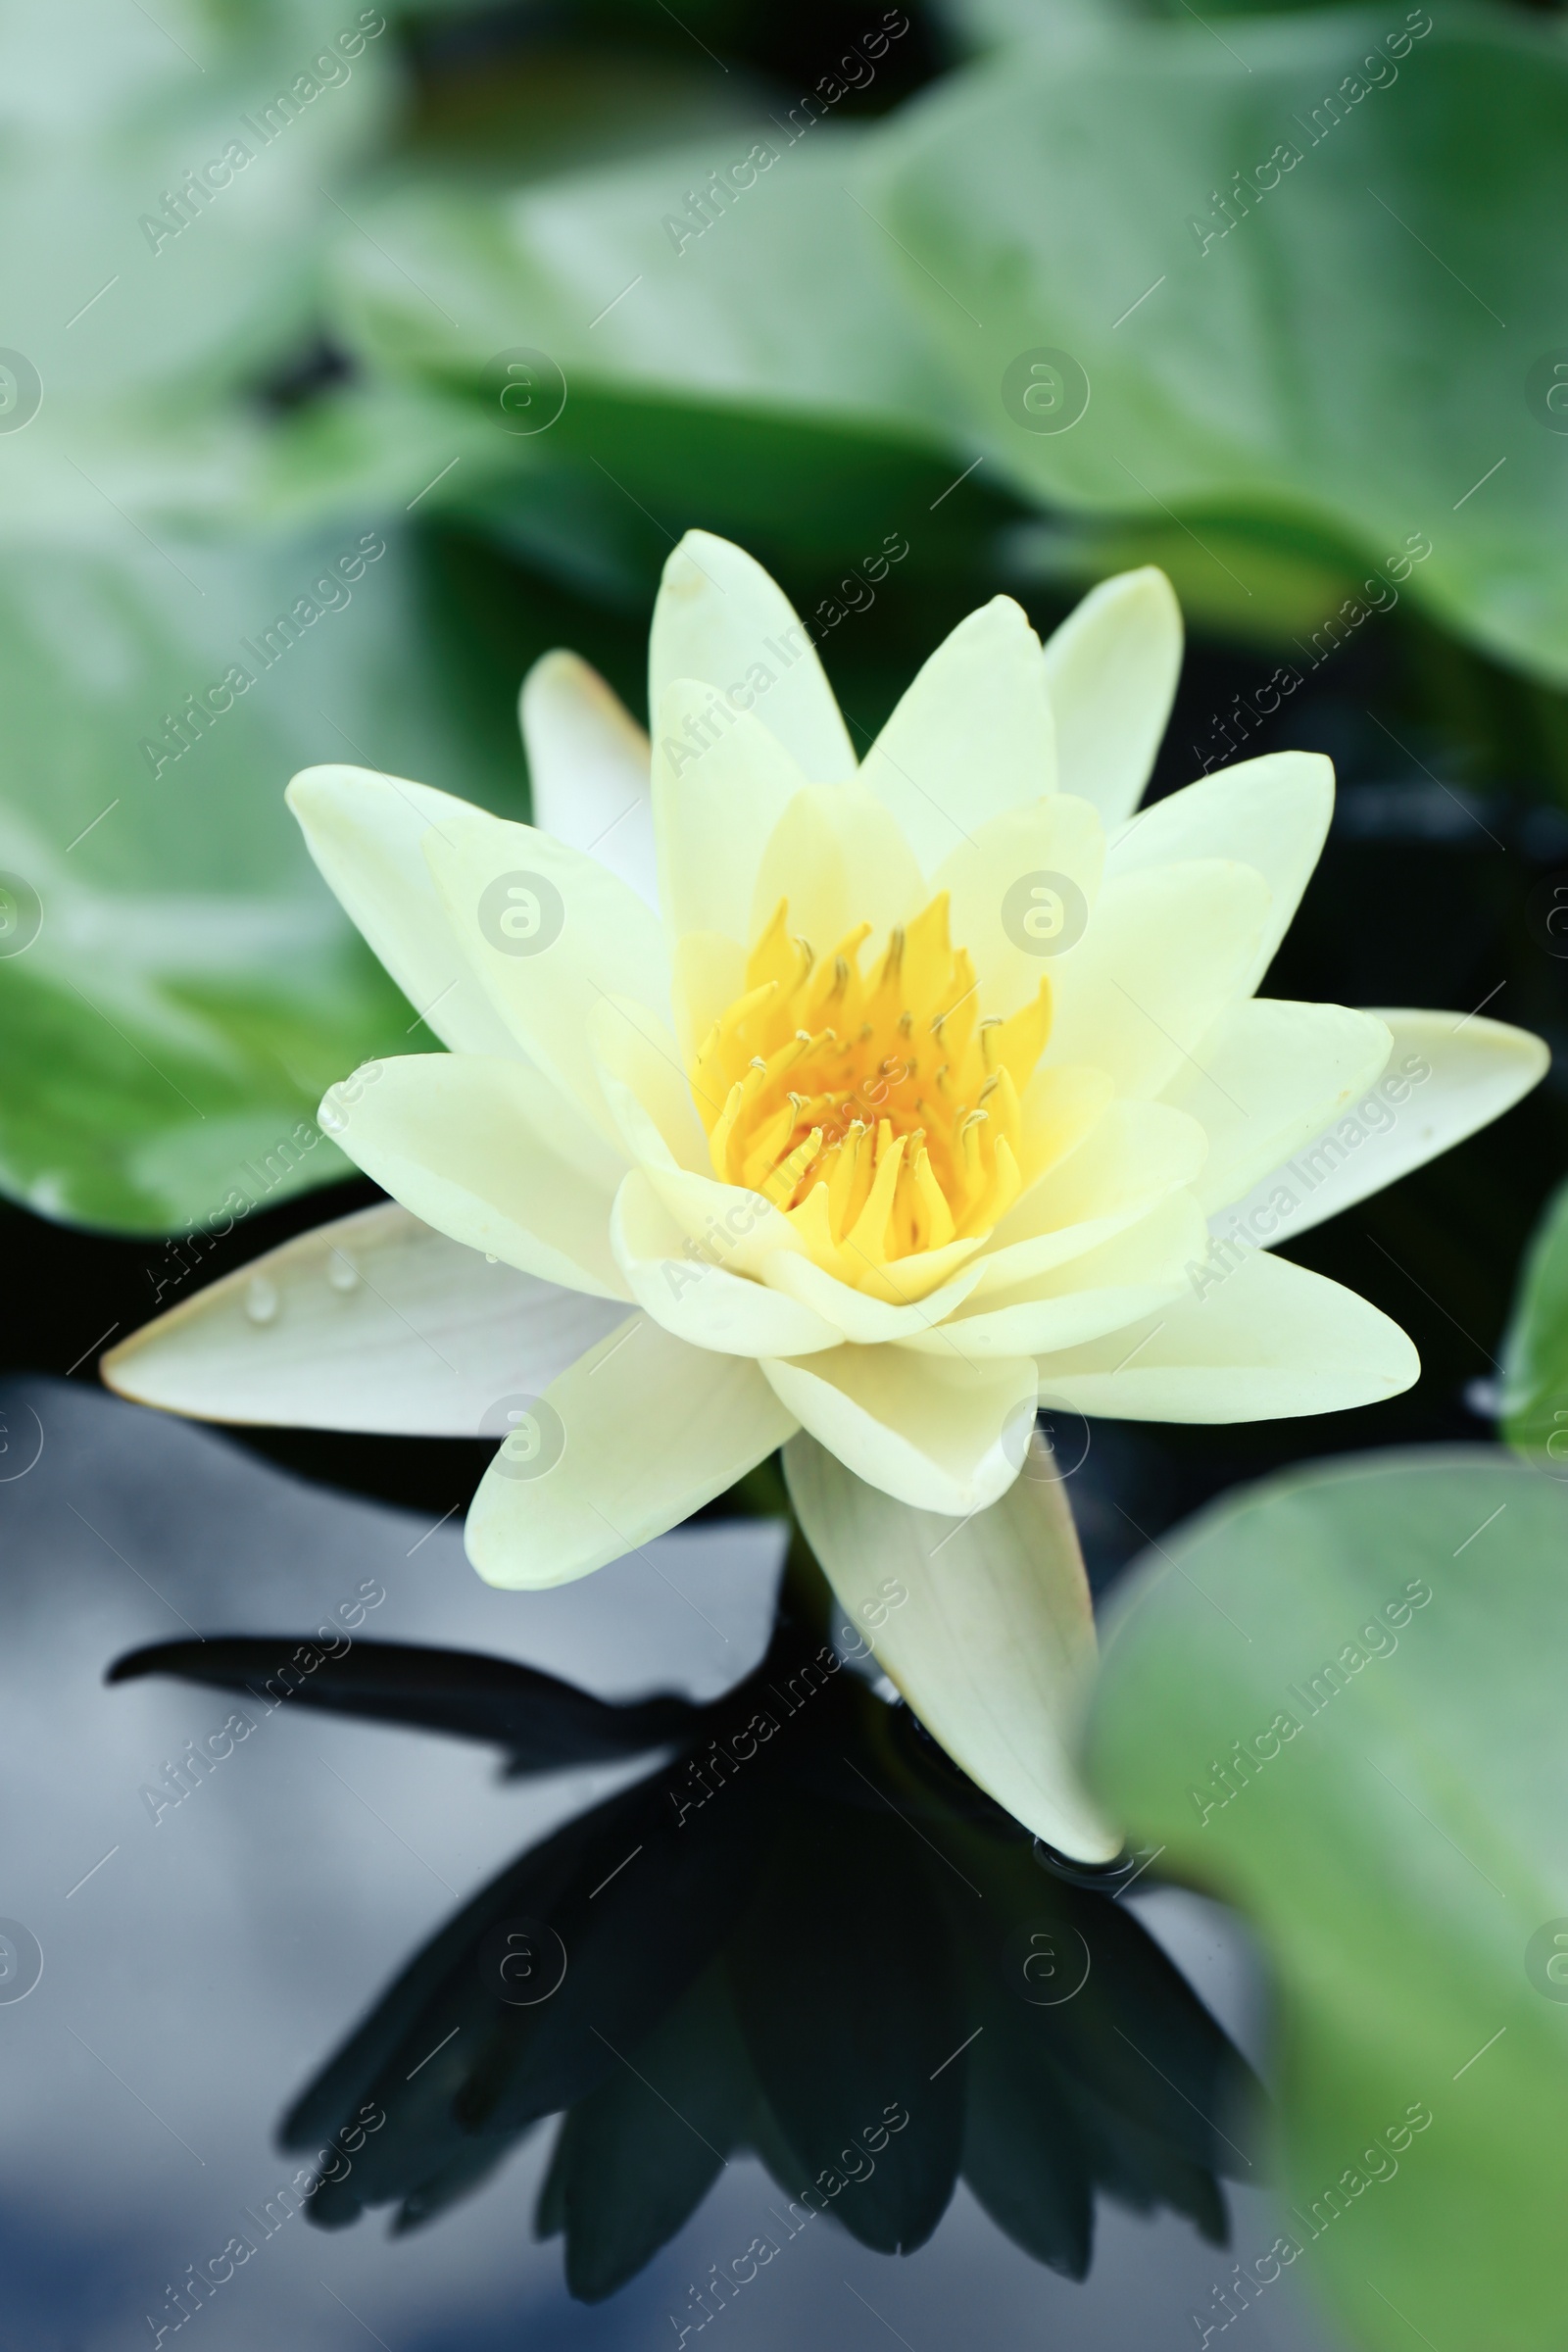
(490, 121)
(1535, 1352)
(1350, 355)
(193, 988)
(721, 376)
(137, 282)
(1335, 1700)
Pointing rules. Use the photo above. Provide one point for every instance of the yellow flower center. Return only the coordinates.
(879, 1112)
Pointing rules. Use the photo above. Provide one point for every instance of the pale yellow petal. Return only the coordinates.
(1164, 953)
(470, 1146)
(640, 1433)
(720, 618)
(371, 1322)
(364, 832)
(971, 737)
(1447, 1074)
(1257, 1338)
(588, 767)
(1128, 1276)
(1020, 892)
(694, 1291)
(1273, 1074)
(1272, 814)
(719, 791)
(551, 934)
(645, 1084)
(1111, 668)
(854, 1313)
(838, 857)
(984, 1624)
(934, 1433)
(1135, 1155)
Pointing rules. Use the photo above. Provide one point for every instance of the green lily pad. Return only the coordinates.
(1534, 1353)
(1349, 347)
(178, 986)
(713, 374)
(1337, 1701)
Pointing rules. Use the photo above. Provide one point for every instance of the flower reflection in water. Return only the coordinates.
(802, 1934)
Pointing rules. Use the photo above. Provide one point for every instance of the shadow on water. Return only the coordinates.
(802, 1934)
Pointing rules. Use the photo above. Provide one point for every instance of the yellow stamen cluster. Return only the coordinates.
(880, 1112)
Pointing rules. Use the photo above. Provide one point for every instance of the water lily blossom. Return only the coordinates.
(850, 1106)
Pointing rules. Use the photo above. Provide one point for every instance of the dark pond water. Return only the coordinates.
(803, 2001)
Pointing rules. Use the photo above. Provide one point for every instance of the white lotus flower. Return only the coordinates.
(847, 1107)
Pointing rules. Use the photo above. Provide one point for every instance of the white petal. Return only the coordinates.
(838, 856)
(1106, 1288)
(466, 1144)
(551, 934)
(992, 1639)
(634, 1438)
(972, 736)
(646, 1086)
(745, 1228)
(374, 1322)
(694, 1294)
(933, 1432)
(1447, 1075)
(1263, 1342)
(710, 975)
(714, 811)
(364, 831)
(1111, 668)
(1273, 1075)
(588, 765)
(721, 618)
(1164, 953)
(1271, 814)
(1038, 865)
(854, 1314)
(1134, 1155)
